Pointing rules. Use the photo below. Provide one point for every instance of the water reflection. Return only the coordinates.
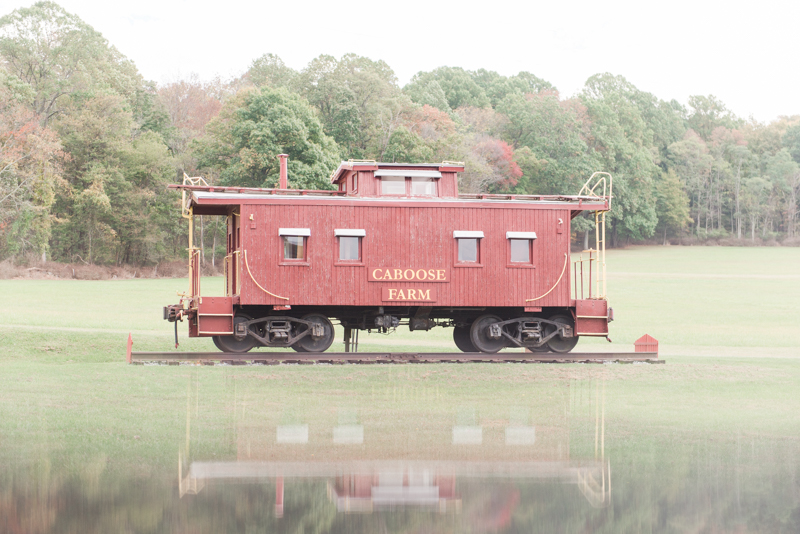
(368, 466)
(527, 456)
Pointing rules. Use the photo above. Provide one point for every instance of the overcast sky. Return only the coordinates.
(746, 54)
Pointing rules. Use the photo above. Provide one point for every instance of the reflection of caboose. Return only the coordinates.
(395, 244)
(361, 492)
(437, 460)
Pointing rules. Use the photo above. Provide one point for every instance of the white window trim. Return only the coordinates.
(458, 234)
(407, 174)
(304, 232)
(343, 232)
(520, 235)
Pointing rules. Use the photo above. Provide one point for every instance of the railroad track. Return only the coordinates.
(308, 358)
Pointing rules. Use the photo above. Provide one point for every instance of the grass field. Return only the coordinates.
(726, 319)
(694, 300)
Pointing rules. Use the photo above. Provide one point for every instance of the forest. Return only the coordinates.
(88, 146)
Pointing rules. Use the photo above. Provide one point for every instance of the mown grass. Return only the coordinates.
(717, 297)
(706, 296)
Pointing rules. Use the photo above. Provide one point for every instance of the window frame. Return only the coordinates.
(468, 234)
(530, 237)
(409, 188)
(283, 233)
(342, 232)
(405, 184)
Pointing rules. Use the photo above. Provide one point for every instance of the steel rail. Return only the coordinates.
(274, 358)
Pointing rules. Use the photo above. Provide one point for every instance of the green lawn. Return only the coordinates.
(706, 299)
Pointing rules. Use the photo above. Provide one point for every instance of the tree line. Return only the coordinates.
(87, 145)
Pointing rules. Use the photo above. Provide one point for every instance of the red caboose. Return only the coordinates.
(395, 244)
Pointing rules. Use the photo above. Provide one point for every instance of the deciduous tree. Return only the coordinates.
(256, 126)
(672, 204)
(29, 174)
(458, 86)
(57, 55)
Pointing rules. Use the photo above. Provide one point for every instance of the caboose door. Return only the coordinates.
(232, 259)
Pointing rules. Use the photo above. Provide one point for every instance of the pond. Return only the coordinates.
(436, 448)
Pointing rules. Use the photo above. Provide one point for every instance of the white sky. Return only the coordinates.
(743, 53)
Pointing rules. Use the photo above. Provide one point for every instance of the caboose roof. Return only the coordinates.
(209, 200)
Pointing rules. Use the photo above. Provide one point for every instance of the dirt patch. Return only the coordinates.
(83, 271)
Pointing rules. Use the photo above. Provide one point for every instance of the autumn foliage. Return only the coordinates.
(87, 145)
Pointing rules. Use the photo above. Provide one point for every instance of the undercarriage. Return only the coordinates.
(309, 329)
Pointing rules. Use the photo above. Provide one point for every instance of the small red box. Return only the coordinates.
(646, 343)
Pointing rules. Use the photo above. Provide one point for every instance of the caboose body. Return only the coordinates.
(395, 244)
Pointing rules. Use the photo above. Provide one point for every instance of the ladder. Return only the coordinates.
(600, 185)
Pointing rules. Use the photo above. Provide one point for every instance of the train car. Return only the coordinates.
(396, 244)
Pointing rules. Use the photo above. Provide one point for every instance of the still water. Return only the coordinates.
(237, 453)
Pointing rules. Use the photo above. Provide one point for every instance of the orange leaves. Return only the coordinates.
(430, 122)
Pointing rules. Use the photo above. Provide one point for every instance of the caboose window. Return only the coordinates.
(349, 244)
(393, 185)
(294, 247)
(294, 243)
(349, 248)
(519, 246)
(423, 187)
(468, 246)
(468, 250)
(520, 250)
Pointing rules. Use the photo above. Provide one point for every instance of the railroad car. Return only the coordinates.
(396, 244)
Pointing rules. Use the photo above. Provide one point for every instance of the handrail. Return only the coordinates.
(256, 283)
(335, 193)
(188, 182)
(607, 187)
(255, 190)
(564, 268)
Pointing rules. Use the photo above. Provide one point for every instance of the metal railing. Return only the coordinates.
(599, 185)
(194, 274)
(582, 274)
(232, 273)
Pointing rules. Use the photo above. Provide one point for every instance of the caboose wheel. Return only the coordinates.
(321, 344)
(231, 344)
(479, 334)
(558, 343)
(462, 339)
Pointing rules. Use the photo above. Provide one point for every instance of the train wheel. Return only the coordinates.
(558, 343)
(321, 344)
(479, 334)
(231, 344)
(462, 339)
